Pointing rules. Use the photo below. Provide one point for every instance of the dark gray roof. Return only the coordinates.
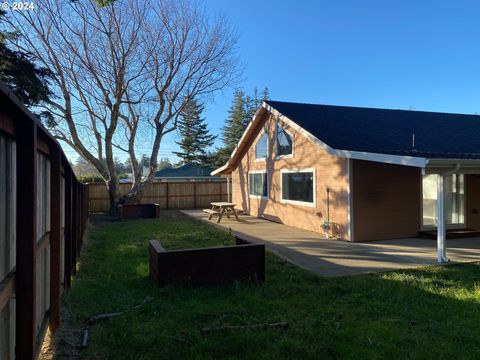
(437, 135)
(185, 171)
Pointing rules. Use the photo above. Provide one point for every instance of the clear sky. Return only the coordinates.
(422, 55)
(403, 54)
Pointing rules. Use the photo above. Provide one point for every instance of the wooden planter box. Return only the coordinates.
(136, 211)
(215, 265)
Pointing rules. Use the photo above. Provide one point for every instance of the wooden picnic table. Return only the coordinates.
(220, 209)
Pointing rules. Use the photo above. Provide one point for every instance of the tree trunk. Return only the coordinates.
(114, 196)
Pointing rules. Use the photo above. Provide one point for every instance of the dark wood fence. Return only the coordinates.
(43, 211)
(169, 195)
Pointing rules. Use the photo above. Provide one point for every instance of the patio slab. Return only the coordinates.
(309, 250)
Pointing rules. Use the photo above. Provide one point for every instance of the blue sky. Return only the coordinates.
(423, 55)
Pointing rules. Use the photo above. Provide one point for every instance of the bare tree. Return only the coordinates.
(122, 73)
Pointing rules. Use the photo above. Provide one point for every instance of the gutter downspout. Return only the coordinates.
(441, 232)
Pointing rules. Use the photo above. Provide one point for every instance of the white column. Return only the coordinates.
(441, 233)
(228, 190)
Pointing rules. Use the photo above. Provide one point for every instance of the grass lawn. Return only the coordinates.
(433, 312)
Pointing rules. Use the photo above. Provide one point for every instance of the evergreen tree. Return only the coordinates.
(241, 112)
(236, 121)
(195, 136)
(26, 80)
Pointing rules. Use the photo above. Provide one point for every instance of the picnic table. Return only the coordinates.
(220, 209)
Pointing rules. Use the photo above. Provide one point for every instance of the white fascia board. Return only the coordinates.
(258, 114)
(219, 170)
(300, 130)
(419, 162)
(384, 158)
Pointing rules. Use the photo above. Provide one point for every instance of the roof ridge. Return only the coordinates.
(372, 108)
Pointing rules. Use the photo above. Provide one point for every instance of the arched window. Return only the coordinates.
(261, 148)
(284, 142)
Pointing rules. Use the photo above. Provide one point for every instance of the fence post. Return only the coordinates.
(26, 239)
(194, 194)
(73, 254)
(55, 185)
(167, 194)
(68, 228)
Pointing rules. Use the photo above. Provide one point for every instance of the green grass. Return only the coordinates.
(428, 313)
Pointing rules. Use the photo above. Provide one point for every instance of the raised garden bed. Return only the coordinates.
(136, 211)
(241, 262)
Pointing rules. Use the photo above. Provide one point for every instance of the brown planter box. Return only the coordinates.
(136, 211)
(213, 265)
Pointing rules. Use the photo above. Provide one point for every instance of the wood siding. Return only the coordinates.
(472, 206)
(330, 173)
(386, 201)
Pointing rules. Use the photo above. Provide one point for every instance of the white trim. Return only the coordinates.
(296, 202)
(258, 115)
(359, 155)
(350, 200)
(287, 156)
(259, 136)
(260, 197)
(219, 170)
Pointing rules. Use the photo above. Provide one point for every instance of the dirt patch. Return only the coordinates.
(65, 343)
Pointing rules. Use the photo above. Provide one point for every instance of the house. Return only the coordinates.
(365, 174)
(187, 172)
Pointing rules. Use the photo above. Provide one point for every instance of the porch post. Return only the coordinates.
(441, 234)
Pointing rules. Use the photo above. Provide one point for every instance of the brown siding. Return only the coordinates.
(330, 172)
(386, 201)
(472, 208)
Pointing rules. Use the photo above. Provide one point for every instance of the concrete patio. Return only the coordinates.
(328, 257)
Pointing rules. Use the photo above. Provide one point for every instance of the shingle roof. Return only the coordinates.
(184, 171)
(437, 135)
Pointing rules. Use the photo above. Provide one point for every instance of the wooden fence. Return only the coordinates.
(43, 210)
(169, 195)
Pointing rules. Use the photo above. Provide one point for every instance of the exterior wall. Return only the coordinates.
(330, 172)
(386, 201)
(472, 206)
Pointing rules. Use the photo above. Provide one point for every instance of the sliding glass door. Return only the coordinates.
(454, 201)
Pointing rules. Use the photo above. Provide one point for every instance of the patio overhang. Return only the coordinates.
(443, 168)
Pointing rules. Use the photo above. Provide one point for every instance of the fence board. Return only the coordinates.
(28, 269)
(169, 195)
(26, 239)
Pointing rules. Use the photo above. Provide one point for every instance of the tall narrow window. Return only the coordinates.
(261, 148)
(284, 142)
(257, 184)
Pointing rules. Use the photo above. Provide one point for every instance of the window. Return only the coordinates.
(284, 142)
(454, 200)
(261, 148)
(298, 186)
(257, 184)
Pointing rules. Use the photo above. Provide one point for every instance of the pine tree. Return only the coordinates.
(195, 136)
(18, 71)
(236, 121)
(241, 112)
